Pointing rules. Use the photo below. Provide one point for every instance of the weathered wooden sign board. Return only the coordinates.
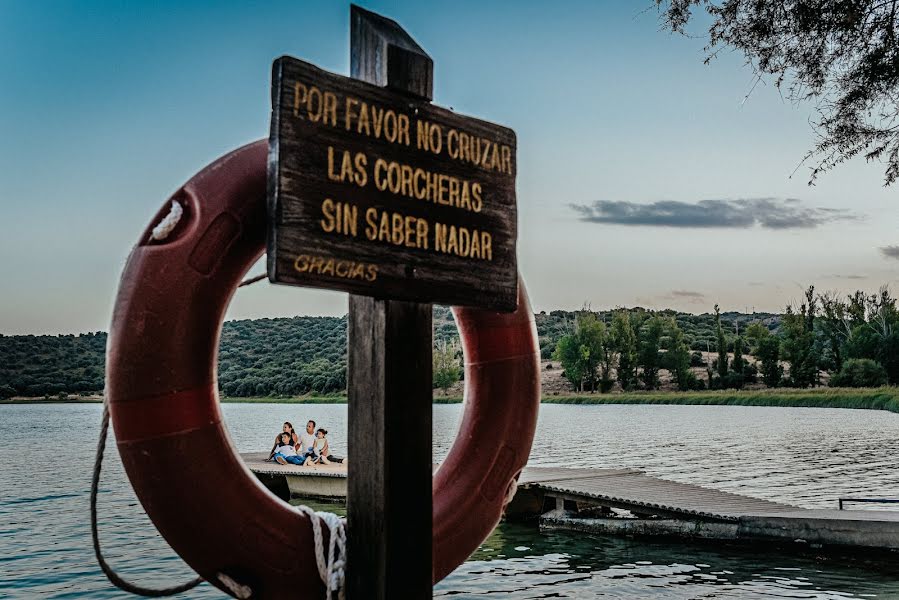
(379, 193)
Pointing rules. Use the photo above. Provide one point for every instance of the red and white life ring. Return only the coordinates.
(163, 401)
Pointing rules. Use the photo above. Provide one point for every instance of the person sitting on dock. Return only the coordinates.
(306, 440)
(286, 453)
(286, 428)
(319, 454)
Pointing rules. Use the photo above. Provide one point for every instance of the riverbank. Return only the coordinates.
(883, 398)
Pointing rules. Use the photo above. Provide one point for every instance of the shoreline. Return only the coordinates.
(884, 398)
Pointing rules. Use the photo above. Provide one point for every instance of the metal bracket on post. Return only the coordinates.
(390, 392)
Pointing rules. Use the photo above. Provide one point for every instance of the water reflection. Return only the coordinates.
(518, 561)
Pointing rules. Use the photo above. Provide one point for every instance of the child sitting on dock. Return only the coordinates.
(287, 428)
(319, 455)
(285, 452)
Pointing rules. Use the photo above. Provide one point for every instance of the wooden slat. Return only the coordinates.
(389, 384)
(642, 492)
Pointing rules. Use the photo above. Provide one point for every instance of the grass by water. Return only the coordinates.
(882, 398)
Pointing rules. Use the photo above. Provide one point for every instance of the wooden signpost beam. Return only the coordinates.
(375, 191)
(390, 387)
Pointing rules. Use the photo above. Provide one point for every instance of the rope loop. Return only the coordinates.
(168, 224)
(110, 573)
(331, 566)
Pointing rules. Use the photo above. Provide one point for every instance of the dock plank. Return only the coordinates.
(641, 491)
(715, 513)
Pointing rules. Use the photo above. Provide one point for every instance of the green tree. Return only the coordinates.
(446, 368)
(581, 351)
(839, 54)
(649, 354)
(678, 358)
(798, 347)
(833, 325)
(754, 334)
(607, 361)
(722, 345)
(738, 368)
(624, 340)
(768, 354)
(876, 334)
(860, 372)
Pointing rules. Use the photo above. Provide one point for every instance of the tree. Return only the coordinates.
(833, 323)
(738, 363)
(842, 54)
(738, 367)
(6, 391)
(446, 369)
(876, 332)
(607, 361)
(860, 372)
(678, 358)
(624, 339)
(754, 334)
(768, 354)
(581, 351)
(649, 356)
(798, 346)
(722, 345)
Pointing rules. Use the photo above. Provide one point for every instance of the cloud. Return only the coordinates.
(890, 251)
(689, 296)
(686, 294)
(743, 213)
(845, 277)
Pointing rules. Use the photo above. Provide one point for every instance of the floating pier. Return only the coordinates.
(629, 502)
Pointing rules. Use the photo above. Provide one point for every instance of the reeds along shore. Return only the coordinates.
(882, 398)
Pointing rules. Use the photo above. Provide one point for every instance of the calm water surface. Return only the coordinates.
(807, 457)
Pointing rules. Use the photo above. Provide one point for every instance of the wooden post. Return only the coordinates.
(389, 505)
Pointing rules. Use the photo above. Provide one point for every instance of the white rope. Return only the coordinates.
(241, 592)
(168, 224)
(330, 566)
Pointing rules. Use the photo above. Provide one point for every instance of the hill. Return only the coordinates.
(281, 356)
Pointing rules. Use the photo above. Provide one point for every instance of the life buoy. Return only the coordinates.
(163, 401)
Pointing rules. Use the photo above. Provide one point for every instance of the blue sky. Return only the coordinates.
(624, 135)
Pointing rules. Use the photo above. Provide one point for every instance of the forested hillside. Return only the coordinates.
(283, 356)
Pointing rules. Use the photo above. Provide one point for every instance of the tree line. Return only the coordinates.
(845, 341)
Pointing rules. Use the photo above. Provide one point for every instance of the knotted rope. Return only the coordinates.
(330, 567)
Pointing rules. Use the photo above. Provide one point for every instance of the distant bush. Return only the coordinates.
(696, 359)
(860, 372)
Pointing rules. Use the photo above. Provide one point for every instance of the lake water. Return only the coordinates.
(807, 457)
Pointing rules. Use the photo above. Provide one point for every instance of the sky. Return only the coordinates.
(645, 177)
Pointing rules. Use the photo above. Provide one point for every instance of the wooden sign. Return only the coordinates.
(379, 193)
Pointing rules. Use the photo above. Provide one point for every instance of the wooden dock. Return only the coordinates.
(629, 502)
(319, 481)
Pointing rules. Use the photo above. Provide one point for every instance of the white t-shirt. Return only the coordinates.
(306, 441)
(286, 450)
